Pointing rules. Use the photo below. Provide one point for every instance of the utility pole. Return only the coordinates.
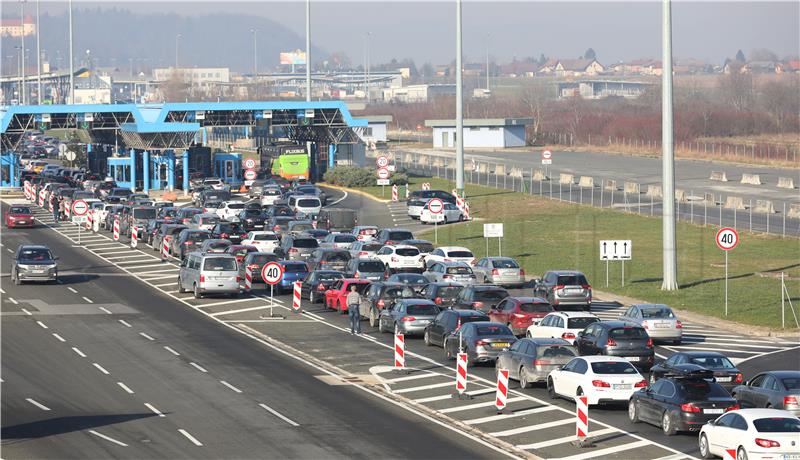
(177, 38)
(38, 59)
(670, 260)
(255, 60)
(487, 60)
(24, 83)
(459, 107)
(367, 37)
(71, 60)
(308, 50)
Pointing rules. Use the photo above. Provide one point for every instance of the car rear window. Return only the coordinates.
(459, 270)
(302, 227)
(627, 333)
(217, 245)
(236, 205)
(493, 329)
(149, 213)
(271, 192)
(712, 362)
(305, 243)
(416, 203)
(398, 292)
(209, 220)
(230, 228)
(556, 351)
(407, 252)
(344, 238)
(490, 295)
(504, 263)
(535, 307)
(449, 292)
(371, 247)
(701, 389)
(266, 237)
(368, 231)
(220, 264)
(777, 425)
(198, 236)
(308, 203)
(792, 383)
(263, 259)
(400, 236)
(572, 280)
(329, 276)
(338, 256)
(295, 268)
(429, 310)
(580, 323)
(657, 313)
(370, 267)
(613, 367)
(459, 254)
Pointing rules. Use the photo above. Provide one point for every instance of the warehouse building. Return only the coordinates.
(481, 133)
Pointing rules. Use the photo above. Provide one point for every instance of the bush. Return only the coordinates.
(399, 178)
(350, 176)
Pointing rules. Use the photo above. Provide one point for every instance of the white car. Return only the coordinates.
(561, 325)
(270, 195)
(747, 434)
(601, 379)
(415, 207)
(338, 241)
(365, 233)
(99, 215)
(401, 258)
(265, 241)
(229, 210)
(450, 254)
(307, 205)
(450, 213)
(216, 184)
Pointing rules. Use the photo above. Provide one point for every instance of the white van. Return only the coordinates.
(308, 205)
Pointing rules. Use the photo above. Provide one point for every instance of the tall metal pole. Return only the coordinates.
(177, 37)
(487, 60)
(459, 107)
(366, 86)
(308, 50)
(38, 59)
(71, 60)
(670, 260)
(24, 83)
(255, 60)
(366, 38)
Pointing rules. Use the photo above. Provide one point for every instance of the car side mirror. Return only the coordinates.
(711, 422)
(505, 349)
(56, 258)
(746, 383)
(579, 334)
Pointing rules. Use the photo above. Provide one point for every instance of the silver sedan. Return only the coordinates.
(658, 320)
(502, 271)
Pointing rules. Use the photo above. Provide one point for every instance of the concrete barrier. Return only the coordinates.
(764, 206)
(586, 181)
(610, 184)
(786, 182)
(680, 195)
(710, 198)
(632, 187)
(566, 179)
(734, 202)
(500, 169)
(752, 179)
(538, 175)
(719, 176)
(515, 172)
(793, 211)
(654, 191)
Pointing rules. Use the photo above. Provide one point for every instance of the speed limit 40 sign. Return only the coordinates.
(272, 273)
(727, 238)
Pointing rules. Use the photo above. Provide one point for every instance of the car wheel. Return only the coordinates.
(579, 392)
(551, 389)
(373, 318)
(633, 413)
(181, 290)
(741, 454)
(705, 452)
(523, 378)
(667, 426)
(197, 294)
(427, 339)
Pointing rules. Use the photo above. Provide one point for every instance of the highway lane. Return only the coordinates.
(208, 380)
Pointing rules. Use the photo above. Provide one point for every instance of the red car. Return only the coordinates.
(520, 312)
(20, 216)
(240, 251)
(336, 295)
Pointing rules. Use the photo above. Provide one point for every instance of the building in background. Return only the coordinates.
(17, 28)
(480, 133)
(418, 93)
(601, 89)
(195, 76)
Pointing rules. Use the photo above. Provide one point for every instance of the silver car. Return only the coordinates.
(209, 273)
(407, 316)
(450, 272)
(565, 288)
(532, 360)
(502, 271)
(364, 248)
(34, 263)
(776, 389)
(659, 320)
(415, 207)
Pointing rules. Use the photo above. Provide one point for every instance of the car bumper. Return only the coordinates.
(224, 287)
(516, 281)
(664, 334)
(415, 329)
(637, 358)
(47, 275)
(693, 422)
(571, 302)
(605, 396)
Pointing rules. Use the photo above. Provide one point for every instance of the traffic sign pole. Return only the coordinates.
(272, 274)
(727, 238)
(726, 283)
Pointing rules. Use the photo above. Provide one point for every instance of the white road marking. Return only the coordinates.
(13, 300)
(80, 353)
(190, 437)
(2, 291)
(608, 450)
(522, 413)
(171, 351)
(230, 312)
(37, 404)
(565, 439)
(60, 339)
(124, 323)
(279, 415)
(173, 269)
(27, 312)
(130, 256)
(44, 326)
(146, 336)
(478, 405)
(198, 367)
(164, 284)
(107, 438)
(156, 411)
(105, 310)
(226, 302)
(125, 387)
(230, 386)
(337, 201)
(70, 289)
(9, 250)
(424, 387)
(529, 428)
(101, 369)
(88, 299)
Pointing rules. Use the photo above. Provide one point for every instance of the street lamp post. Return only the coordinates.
(71, 60)
(308, 50)
(255, 59)
(487, 60)
(459, 107)
(38, 59)
(367, 37)
(670, 260)
(177, 37)
(22, 23)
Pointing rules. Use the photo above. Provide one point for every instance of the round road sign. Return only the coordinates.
(250, 174)
(79, 207)
(249, 163)
(382, 161)
(727, 238)
(383, 173)
(272, 273)
(547, 154)
(435, 205)
(70, 155)
(62, 148)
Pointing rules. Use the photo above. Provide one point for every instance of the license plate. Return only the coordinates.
(35, 270)
(791, 456)
(223, 278)
(632, 358)
(621, 386)
(723, 379)
(713, 411)
(500, 344)
(662, 325)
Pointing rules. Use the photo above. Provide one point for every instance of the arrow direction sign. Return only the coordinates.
(616, 249)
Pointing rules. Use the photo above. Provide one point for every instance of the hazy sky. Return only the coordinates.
(425, 30)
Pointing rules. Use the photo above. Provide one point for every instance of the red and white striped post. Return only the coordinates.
(41, 199)
(50, 202)
(461, 373)
(582, 417)
(466, 211)
(68, 211)
(88, 223)
(165, 250)
(399, 351)
(115, 230)
(134, 236)
(502, 390)
(394, 193)
(298, 285)
(248, 279)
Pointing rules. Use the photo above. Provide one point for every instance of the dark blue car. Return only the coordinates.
(293, 270)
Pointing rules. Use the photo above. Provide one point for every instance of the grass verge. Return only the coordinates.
(543, 234)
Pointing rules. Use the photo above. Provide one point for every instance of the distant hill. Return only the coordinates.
(115, 35)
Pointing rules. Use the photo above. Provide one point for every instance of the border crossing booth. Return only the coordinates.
(9, 169)
(228, 167)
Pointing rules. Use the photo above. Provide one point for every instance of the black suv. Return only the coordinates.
(617, 338)
(447, 322)
(442, 294)
(483, 297)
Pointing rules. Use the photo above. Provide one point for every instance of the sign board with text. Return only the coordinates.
(384, 182)
(493, 230)
(547, 157)
(616, 249)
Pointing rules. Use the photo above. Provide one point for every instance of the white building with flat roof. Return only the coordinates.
(480, 133)
(196, 76)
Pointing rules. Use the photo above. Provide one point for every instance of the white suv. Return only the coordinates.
(561, 325)
(401, 258)
(450, 254)
(229, 210)
(265, 241)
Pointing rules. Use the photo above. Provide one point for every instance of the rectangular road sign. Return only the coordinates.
(492, 230)
(384, 181)
(616, 249)
(79, 219)
(547, 161)
(391, 168)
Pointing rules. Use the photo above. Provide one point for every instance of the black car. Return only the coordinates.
(229, 231)
(317, 282)
(617, 338)
(725, 373)
(252, 219)
(684, 399)
(188, 240)
(381, 295)
(389, 236)
(152, 229)
(329, 258)
(442, 294)
(185, 215)
(447, 322)
(413, 280)
(279, 224)
(255, 261)
(483, 297)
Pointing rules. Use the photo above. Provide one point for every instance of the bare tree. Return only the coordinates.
(781, 100)
(534, 97)
(736, 89)
(176, 89)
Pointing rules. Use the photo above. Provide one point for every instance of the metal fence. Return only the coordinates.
(694, 206)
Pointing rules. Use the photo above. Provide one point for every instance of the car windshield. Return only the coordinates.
(580, 323)
(712, 362)
(504, 263)
(492, 329)
(407, 252)
(657, 313)
(556, 351)
(295, 268)
(491, 296)
(308, 203)
(19, 210)
(145, 213)
(35, 254)
(422, 310)
(449, 292)
(305, 243)
(627, 333)
(344, 238)
(777, 425)
(400, 235)
(701, 389)
(370, 267)
(572, 280)
(613, 367)
(535, 307)
(220, 264)
(263, 259)
(459, 270)
(791, 383)
(459, 254)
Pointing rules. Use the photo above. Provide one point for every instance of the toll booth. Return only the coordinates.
(162, 171)
(124, 170)
(9, 170)
(228, 167)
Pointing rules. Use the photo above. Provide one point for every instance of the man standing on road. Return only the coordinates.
(54, 205)
(353, 301)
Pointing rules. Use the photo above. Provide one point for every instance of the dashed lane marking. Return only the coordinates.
(44, 326)
(171, 351)
(230, 386)
(78, 352)
(37, 404)
(198, 367)
(60, 339)
(279, 415)
(124, 323)
(91, 301)
(108, 438)
(146, 336)
(101, 369)
(190, 437)
(125, 387)
(155, 411)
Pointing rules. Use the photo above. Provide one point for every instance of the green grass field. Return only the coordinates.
(543, 234)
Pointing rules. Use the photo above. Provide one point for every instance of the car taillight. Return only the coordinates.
(355, 275)
(362, 253)
(395, 259)
(568, 336)
(187, 243)
(276, 228)
(559, 287)
(690, 407)
(238, 278)
(649, 343)
(480, 343)
(600, 384)
(789, 401)
(292, 250)
(224, 235)
(521, 272)
(739, 378)
(202, 278)
(611, 343)
(540, 362)
(380, 303)
(408, 319)
(767, 442)
(437, 301)
(733, 407)
(586, 286)
(678, 325)
(477, 304)
(253, 266)
(495, 272)
(640, 384)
